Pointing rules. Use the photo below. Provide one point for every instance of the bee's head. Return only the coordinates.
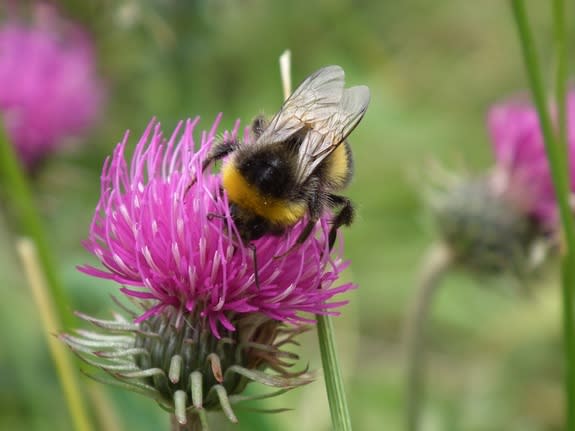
(250, 225)
(268, 170)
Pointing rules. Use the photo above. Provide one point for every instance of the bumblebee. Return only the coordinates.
(298, 161)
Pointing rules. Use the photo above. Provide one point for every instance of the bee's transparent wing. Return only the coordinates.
(324, 137)
(311, 105)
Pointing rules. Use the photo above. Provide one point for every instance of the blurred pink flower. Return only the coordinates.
(520, 152)
(163, 243)
(48, 84)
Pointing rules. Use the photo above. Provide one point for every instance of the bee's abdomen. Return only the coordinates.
(248, 192)
(338, 167)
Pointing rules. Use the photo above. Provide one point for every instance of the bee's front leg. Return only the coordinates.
(219, 151)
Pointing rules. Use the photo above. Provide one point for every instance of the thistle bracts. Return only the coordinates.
(489, 229)
(183, 366)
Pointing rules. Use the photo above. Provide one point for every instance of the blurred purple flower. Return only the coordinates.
(520, 152)
(180, 248)
(48, 84)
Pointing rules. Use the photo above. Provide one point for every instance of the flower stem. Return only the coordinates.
(194, 423)
(17, 190)
(340, 418)
(556, 147)
(568, 280)
(568, 275)
(64, 365)
(104, 412)
(45, 282)
(435, 264)
(561, 70)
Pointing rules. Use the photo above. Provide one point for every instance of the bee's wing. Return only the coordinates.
(311, 105)
(325, 136)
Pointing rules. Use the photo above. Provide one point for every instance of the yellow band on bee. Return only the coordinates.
(246, 195)
(338, 166)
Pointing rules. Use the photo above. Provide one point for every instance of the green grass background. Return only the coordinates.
(434, 68)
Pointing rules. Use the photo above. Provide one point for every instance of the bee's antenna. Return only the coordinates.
(252, 247)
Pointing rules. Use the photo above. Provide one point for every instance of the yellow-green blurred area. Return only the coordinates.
(434, 68)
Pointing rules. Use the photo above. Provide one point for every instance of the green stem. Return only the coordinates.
(21, 204)
(341, 420)
(60, 356)
(568, 275)
(568, 280)
(435, 264)
(561, 70)
(83, 11)
(194, 423)
(20, 201)
(557, 158)
(560, 175)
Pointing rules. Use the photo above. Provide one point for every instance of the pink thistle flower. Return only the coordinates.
(520, 154)
(178, 247)
(49, 90)
(506, 220)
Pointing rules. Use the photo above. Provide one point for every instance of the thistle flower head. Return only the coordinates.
(163, 230)
(506, 219)
(49, 90)
(520, 153)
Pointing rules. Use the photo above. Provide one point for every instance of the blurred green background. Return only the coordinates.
(433, 68)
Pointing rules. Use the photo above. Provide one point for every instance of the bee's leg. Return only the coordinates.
(218, 151)
(314, 206)
(258, 126)
(305, 233)
(252, 247)
(314, 209)
(343, 218)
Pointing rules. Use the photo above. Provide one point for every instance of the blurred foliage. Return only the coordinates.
(433, 69)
